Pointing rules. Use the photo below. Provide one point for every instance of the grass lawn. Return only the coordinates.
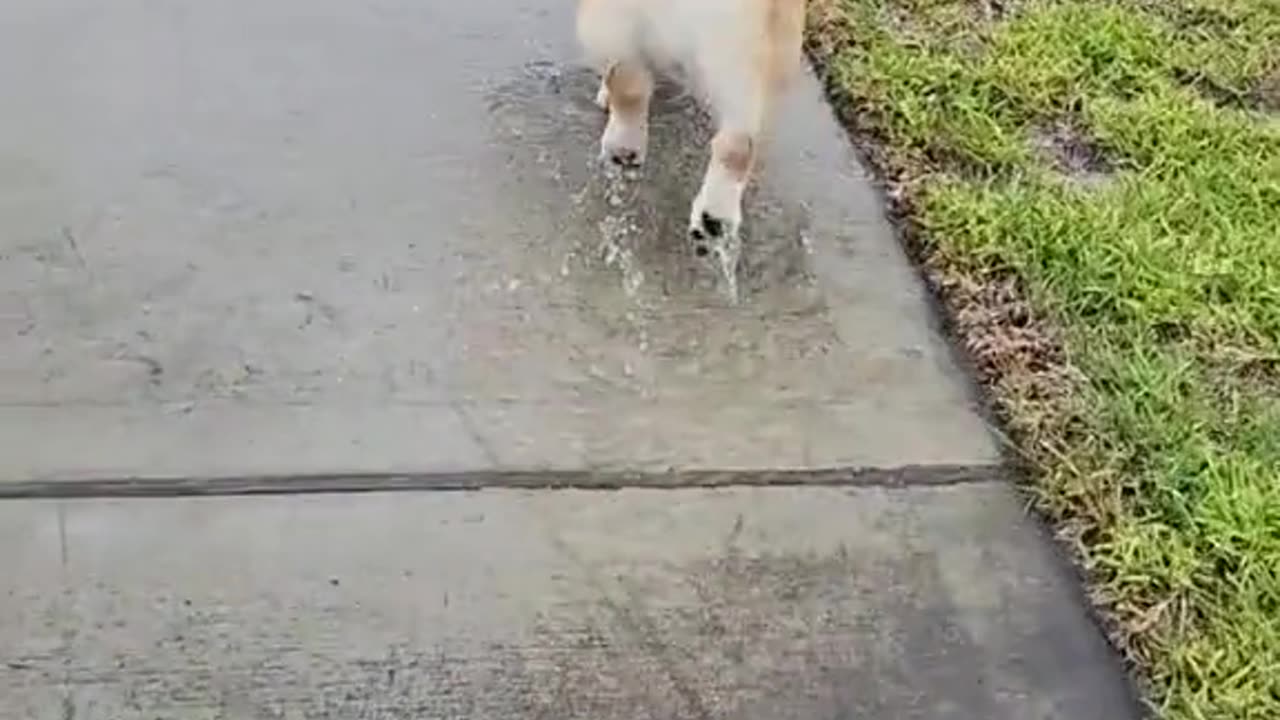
(1094, 189)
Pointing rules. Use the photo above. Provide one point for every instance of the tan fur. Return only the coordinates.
(786, 38)
(741, 54)
(735, 151)
(629, 86)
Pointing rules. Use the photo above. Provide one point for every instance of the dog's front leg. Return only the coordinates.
(625, 91)
(607, 31)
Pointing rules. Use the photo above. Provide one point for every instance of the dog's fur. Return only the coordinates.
(740, 55)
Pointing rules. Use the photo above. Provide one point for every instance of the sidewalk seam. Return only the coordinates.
(549, 479)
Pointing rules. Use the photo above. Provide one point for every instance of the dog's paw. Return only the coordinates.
(713, 223)
(626, 158)
(623, 144)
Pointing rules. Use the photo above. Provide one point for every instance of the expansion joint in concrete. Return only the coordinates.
(601, 479)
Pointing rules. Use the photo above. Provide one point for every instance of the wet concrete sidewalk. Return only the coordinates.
(298, 246)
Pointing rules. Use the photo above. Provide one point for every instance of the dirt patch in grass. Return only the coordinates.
(1127, 331)
(1065, 146)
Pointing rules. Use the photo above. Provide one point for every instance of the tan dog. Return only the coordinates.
(739, 54)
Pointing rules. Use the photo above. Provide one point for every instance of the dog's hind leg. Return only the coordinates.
(738, 97)
(744, 67)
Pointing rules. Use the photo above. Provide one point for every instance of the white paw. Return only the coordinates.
(717, 211)
(624, 143)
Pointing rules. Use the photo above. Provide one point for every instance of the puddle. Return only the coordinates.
(646, 313)
(639, 218)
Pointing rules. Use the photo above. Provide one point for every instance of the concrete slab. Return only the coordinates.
(766, 603)
(363, 236)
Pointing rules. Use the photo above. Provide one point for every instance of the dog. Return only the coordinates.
(739, 56)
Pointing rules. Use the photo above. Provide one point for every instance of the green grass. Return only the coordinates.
(1095, 187)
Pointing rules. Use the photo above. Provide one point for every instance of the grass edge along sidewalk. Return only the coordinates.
(1091, 187)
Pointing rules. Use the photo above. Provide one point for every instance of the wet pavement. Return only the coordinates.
(363, 237)
(326, 239)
